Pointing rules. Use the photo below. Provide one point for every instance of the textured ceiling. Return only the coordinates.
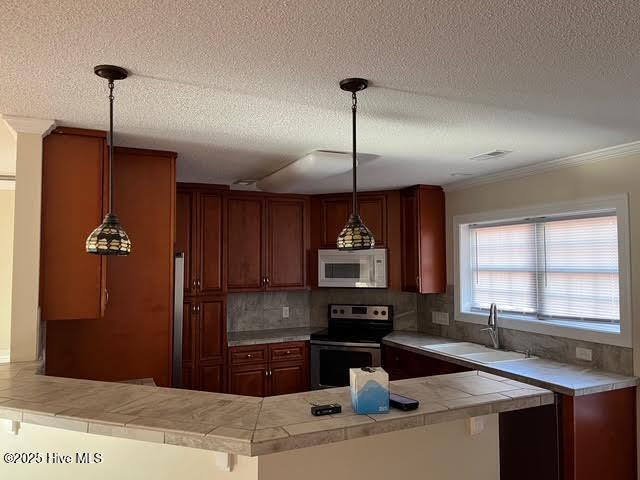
(240, 88)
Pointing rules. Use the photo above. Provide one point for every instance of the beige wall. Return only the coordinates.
(26, 248)
(431, 452)
(6, 266)
(7, 151)
(590, 180)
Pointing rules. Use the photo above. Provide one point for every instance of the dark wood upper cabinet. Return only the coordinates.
(73, 283)
(286, 245)
(423, 240)
(200, 220)
(336, 209)
(133, 340)
(267, 242)
(245, 244)
(210, 269)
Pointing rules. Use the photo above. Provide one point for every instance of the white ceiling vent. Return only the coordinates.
(491, 155)
(301, 174)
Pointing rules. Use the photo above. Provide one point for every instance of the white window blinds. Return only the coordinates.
(549, 268)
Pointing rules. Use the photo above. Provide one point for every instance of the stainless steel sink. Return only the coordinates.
(476, 353)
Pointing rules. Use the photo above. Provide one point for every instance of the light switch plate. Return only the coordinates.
(583, 354)
(285, 312)
(440, 318)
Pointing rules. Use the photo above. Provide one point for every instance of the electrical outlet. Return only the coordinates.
(583, 354)
(440, 318)
(285, 312)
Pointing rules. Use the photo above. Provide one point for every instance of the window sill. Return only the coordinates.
(606, 334)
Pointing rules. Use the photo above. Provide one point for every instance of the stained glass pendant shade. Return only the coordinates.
(355, 235)
(109, 238)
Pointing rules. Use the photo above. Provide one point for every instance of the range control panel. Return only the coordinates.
(360, 312)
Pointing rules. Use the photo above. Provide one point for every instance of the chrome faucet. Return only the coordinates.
(493, 326)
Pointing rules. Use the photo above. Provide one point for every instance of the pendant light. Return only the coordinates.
(355, 235)
(110, 238)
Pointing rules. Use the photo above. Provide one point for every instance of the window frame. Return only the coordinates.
(560, 328)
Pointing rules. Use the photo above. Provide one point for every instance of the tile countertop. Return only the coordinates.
(278, 335)
(559, 377)
(245, 425)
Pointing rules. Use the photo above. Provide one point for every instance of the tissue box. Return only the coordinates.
(369, 390)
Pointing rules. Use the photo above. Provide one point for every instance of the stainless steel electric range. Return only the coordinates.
(353, 340)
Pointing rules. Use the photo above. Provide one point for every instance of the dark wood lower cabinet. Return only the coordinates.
(269, 369)
(204, 344)
(401, 364)
(249, 380)
(529, 444)
(290, 377)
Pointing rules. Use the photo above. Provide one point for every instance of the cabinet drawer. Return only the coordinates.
(249, 354)
(287, 351)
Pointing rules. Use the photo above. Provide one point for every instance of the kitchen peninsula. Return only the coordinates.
(458, 413)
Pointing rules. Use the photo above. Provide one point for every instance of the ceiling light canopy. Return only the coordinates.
(355, 235)
(109, 238)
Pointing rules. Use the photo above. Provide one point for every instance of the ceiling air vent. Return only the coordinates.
(491, 155)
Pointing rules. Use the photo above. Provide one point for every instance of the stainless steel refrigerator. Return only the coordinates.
(178, 320)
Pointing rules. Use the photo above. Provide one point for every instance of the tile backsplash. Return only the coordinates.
(605, 357)
(263, 310)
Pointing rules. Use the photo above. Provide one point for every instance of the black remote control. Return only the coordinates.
(330, 409)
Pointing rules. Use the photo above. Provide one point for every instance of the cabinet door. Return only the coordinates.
(212, 378)
(431, 238)
(245, 243)
(249, 380)
(335, 213)
(210, 331)
(373, 211)
(290, 377)
(286, 244)
(210, 277)
(186, 237)
(410, 252)
(73, 282)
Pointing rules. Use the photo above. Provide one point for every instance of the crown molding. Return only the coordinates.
(37, 126)
(609, 153)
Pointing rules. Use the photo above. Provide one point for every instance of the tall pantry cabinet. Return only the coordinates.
(200, 235)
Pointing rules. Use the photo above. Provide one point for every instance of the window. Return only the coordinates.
(553, 272)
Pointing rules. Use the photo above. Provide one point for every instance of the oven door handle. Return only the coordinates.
(345, 344)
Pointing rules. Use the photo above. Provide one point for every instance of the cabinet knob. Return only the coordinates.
(195, 284)
(288, 352)
(106, 296)
(249, 355)
(198, 284)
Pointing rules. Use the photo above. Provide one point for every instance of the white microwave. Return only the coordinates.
(352, 268)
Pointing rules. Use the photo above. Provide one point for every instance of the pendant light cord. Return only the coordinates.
(110, 146)
(354, 108)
